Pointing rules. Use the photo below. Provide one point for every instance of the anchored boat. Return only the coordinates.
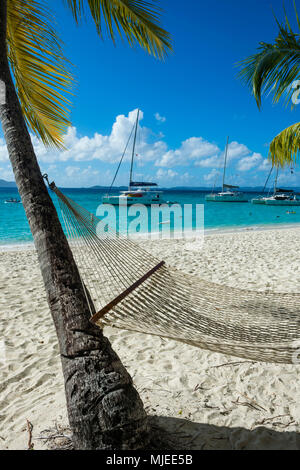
(228, 193)
(12, 200)
(138, 192)
(280, 197)
(283, 197)
(262, 198)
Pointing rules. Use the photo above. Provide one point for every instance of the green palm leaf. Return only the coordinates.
(41, 72)
(39, 68)
(138, 20)
(285, 147)
(274, 68)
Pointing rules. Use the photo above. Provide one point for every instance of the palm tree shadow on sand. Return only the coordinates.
(181, 434)
(177, 434)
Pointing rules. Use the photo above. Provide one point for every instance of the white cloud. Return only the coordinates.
(160, 118)
(106, 148)
(288, 178)
(190, 150)
(72, 171)
(109, 148)
(76, 176)
(84, 152)
(202, 153)
(166, 174)
(265, 165)
(247, 163)
(213, 175)
(3, 151)
(6, 174)
(215, 160)
(236, 150)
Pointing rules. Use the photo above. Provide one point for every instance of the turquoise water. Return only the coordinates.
(14, 227)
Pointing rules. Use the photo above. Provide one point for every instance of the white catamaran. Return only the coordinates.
(280, 197)
(138, 192)
(227, 194)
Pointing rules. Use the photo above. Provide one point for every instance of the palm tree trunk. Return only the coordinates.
(105, 411)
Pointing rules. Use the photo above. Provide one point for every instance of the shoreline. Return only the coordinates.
(24, 246)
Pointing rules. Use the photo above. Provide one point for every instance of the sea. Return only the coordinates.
(14, 228)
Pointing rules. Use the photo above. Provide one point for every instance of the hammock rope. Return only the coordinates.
(132, 289)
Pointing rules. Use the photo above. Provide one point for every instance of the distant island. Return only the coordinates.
(249, 189)
(7, 184)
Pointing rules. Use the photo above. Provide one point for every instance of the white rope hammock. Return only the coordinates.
(133, 290)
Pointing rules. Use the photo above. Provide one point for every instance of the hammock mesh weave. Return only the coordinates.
(133, 290)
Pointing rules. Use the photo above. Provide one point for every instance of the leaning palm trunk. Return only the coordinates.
(105, 411)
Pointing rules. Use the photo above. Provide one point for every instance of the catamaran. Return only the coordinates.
(262, 199)
(227, 194)
(280, 197)
(138, 192)
(283, 197)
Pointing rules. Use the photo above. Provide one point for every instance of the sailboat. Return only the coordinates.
(280, 197)
(227, 194)
(262, 199)
(138, 192)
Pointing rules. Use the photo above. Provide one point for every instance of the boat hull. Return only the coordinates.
(258, 201)
(217, 198)
(292, 203)
(129, 201)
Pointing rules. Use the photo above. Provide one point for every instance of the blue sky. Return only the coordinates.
(190, 102)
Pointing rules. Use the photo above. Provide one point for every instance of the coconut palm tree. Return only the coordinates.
(275, 69)
(105, 411)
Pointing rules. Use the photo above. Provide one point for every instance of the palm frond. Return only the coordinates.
(275, 67)
(138, 20)
(39, 68)
(285, 147)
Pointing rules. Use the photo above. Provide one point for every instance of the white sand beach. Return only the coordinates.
(207, 400)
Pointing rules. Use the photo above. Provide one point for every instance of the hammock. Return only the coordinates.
(133, 290)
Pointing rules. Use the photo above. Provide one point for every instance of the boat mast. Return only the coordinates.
(268, 179)
(225, 161)
(133, 148)
(275, 183)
